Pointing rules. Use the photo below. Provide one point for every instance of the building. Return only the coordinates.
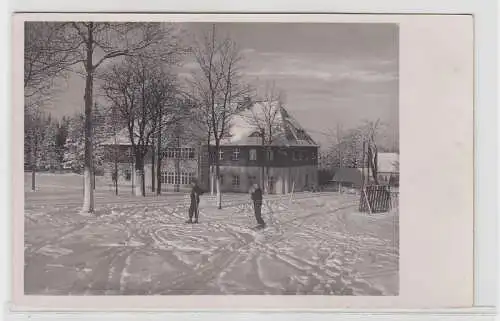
(388, 168)
(179, 166)
(348, 177)
(285, 163)
(388, 173)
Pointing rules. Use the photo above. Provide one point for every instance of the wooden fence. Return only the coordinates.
(375, 199)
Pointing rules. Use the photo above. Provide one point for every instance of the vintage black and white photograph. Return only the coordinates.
(211, 158)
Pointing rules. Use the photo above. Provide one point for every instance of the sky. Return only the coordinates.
(331, 73)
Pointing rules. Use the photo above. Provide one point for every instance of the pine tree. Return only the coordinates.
(60, 140)
(73, 146)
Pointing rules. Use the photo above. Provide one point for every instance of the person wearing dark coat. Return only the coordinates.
(256, 195)
(194, 210)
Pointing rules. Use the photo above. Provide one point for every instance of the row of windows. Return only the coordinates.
(182, 178)
(189, 153)
(176, 178)
(252, 155)
(235, 180)
(180, 153)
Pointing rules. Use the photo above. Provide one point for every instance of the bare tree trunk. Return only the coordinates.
(93, 176)
(88, 199)
(177, 175)
(211, 177)
(375, 165)
(153, 158)
(177, 161)
(33, 177)
(218, 187)
(140, 189)
(143, 182)
(217, 176)
(264, 162)
(158, 164)
(199, 160)
(209, 165)
(116, 175)
(363, 177)
(33, 160)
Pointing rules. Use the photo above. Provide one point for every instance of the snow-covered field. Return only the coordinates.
(314, 244)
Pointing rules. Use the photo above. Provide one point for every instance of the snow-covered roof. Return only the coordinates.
(388, 162)
(187, 139)
(244, 127)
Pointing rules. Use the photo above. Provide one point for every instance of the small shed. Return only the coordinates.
(348, 177)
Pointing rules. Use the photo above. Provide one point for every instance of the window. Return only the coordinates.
(186, 177)
(187, 153)
(296, 155)
(170, 177)
(221, 154)
(180, 153)
(236, 181)
(252, 179)
(253, 154)
(270, 155)
(236, 154)
(221, 178)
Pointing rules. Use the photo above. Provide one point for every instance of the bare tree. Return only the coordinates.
(46, 57)
(140, 90)
(114, 124)
(201, 123)
(98, 42)
(218, 87)
(265, 117)
(338, 145)
(370, 132)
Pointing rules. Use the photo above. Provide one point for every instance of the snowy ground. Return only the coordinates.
(140, 246)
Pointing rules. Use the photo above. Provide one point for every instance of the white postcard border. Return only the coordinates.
(485, 204)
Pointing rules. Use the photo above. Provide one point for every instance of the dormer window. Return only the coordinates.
(253, 154)
(236, 154)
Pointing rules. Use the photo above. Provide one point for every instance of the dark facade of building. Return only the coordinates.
(280, 170)
(288, 163)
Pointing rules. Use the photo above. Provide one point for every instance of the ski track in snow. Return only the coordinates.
(138, 246)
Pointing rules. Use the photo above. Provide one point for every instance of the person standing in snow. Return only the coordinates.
(256, 195)
(194, 210)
